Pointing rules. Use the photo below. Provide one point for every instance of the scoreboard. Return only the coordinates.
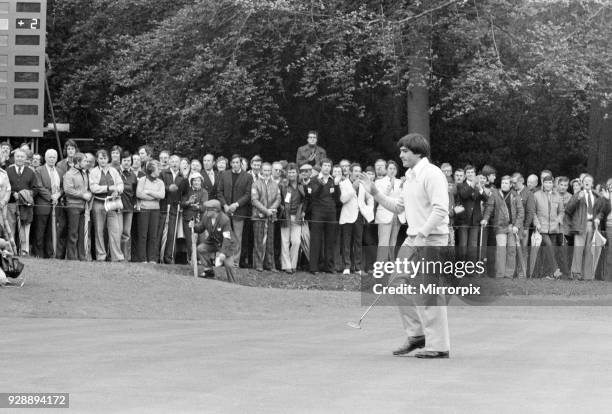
(22, 67)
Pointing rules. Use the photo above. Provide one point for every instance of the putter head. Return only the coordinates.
(354, 325)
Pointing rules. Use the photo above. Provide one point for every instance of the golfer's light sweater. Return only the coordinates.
(425, 200)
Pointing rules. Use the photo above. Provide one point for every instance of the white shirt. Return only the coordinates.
(55, 180)
(425, 197)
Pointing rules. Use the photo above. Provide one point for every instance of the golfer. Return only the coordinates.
(424, 201)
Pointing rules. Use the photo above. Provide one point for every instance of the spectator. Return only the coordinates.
(184, 166)
(380, 169)
(306, 191)
(210, 177)
(234, 193)
(532, 183)
(192, 203)
(77, 194)
(603, 220)
(311, 153)
(146, 154)
(164, 160)
(505, 208)
(70, 148)
(221, 164)
(357, 209)
(265, 198)
(21, 179)
(388, 222)
(548, 218)
(105, 182)
(345, 165)
(49, 190)
(36, 161)
(447, 169)
(128, 199)
(115, 157)
(324, 196)
(137, 166)
(149, 191)
(469, 196)
(527, 198)
(580, 210)
(169, 206)
(291, 219)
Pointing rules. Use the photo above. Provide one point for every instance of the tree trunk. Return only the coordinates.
(600, 142)
(418, 89)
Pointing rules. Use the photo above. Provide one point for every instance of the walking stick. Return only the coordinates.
(481, 236)
(18, 224)
(178, 215)
(194, 247)
(53, 232)
(164, 239)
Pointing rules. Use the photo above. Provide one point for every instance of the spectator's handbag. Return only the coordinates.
(113, 204)
(11, 265)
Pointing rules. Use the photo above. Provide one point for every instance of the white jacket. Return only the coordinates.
(353, 204)
(384, 216)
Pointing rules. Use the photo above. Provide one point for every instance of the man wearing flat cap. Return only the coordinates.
(218, 237)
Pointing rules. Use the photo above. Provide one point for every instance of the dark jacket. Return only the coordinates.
(576, 210)
(527, 197)
(297, 196)
(220, 234)
(192, 206)
(209, 186)
(240, 193)
(601, 210)
(172, 197)
(128, 197)
(305, 152)
(470, 199)
(324, 196)
(496, 207)
(25, 181)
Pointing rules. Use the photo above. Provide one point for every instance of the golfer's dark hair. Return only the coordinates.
(70, 143)
(101, 152)
(292, 166)
(78, 157)
(416, 143)
(126, 154)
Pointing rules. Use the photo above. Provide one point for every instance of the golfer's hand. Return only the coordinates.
(366, 182)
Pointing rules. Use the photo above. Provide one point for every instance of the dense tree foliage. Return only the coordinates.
(509, 83)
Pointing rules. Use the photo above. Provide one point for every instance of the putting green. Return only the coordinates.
(143, 339)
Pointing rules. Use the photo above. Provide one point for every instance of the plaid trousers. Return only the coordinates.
(263, 250)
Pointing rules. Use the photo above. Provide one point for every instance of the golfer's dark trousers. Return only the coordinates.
(352, 237)
(322, 238)
(147, 247)
(75, 247)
